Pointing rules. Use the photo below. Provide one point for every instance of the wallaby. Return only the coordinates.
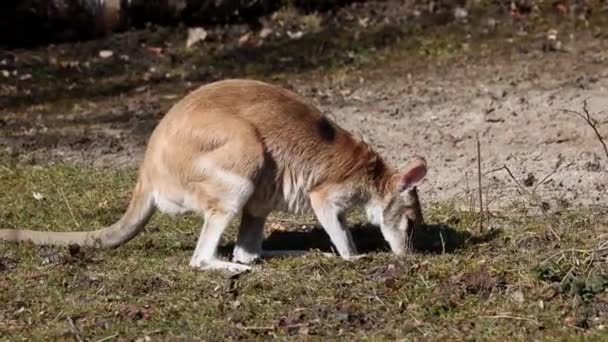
(246, 147)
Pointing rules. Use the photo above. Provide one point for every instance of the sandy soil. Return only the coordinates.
(515, 106)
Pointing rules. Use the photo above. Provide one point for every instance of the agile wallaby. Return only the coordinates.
(243, 146)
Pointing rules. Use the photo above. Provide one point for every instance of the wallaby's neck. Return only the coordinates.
(374, 175)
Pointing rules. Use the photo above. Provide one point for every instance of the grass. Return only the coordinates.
(484, 287)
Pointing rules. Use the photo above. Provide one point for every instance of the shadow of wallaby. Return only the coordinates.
(430, 238)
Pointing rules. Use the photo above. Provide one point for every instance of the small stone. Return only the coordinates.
(106, 54)
(265, 32)
(529, 180)
(552, 34)
(244, 38)
(195, 35)
(518, 296)
(570, 320)
(295, 35)
(460, 13)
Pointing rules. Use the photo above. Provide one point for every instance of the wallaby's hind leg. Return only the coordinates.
(220, 209)
(223, 182)
(205, 254)
(248, 246)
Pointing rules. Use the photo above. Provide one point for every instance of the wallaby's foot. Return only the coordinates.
(355, 257)
(290, 253)
(220, 265)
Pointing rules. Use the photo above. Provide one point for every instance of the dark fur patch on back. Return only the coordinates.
(326, 130)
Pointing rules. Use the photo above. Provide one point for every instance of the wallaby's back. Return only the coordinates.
(301, 147)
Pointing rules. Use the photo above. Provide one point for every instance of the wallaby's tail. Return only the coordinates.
(132, 222)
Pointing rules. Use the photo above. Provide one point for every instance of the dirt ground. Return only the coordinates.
(418, 90)
(514, 105)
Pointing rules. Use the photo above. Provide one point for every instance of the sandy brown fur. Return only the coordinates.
(241, 146)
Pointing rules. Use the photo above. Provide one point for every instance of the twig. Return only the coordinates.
(426, 284)
(442, 242)
(470, 198)
(74, 330)
(574, 250)
(107, 338)
(533, 197)
(493, 170)
(587, 262)
(375, 296)
(56, 317)
(417, 323)
(69, 207)
(100, 289)
(271, 328)
(479, 185)
(568, 275)
(591, 259)
(258, 328)
(559, 162)
(6, 169)
(521, 187)
(518, 318)
(591, 122)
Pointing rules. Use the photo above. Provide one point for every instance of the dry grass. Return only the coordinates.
(516, 281)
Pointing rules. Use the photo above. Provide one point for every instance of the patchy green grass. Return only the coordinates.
(516, 282)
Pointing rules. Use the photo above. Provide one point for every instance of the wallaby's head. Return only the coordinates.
(395, 207)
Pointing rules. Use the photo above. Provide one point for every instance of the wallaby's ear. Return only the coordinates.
(413, 174)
